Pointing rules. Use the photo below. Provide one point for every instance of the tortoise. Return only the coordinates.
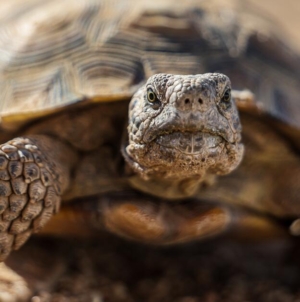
(123, 117)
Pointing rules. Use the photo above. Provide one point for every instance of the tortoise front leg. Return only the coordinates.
(34, 172)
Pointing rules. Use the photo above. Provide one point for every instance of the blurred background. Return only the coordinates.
(284, 13)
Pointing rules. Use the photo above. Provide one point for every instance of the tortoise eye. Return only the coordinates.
(151, 96)
(226, 96)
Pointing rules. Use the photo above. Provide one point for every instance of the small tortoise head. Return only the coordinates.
(184, 126)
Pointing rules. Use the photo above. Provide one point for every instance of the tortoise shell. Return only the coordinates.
(59, 53)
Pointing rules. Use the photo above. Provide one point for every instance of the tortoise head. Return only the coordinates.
(184, 126)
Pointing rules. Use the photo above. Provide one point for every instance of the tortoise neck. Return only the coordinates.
(165, 188)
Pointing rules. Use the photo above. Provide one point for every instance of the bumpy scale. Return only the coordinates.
(33, 176)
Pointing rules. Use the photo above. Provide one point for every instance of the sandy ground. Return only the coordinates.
(113, 270)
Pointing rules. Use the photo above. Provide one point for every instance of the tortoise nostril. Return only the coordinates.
(186, 101)
(200, 101)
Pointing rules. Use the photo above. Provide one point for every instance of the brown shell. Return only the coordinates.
(61, 52)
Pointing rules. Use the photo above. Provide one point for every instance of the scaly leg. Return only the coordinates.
(34, 172)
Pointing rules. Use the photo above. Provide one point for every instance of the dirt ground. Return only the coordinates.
(114, 270)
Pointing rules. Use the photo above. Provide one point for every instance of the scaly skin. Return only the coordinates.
(33, 177)
(190, 131)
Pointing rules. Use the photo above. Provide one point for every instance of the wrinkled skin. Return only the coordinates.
(184, 127)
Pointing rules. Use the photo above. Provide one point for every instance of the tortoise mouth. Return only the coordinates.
(188, 136)
(190, 143)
